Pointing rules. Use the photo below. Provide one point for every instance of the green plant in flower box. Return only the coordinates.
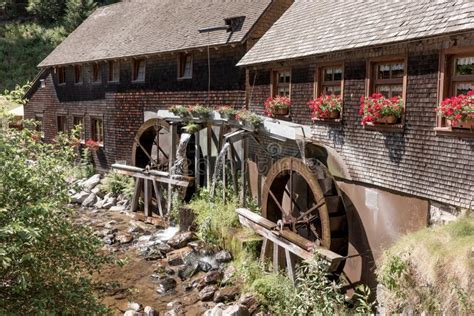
(247, 117)
(200, 111)
(179, 110)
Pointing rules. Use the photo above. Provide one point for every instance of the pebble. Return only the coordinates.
(223, 256)
(134, 306)
(149, 311)
(226, 294)
(213, 277)
(124, 238)
(165, 285)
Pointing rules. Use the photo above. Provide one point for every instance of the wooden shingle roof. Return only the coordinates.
(317, 27)
(142, 27)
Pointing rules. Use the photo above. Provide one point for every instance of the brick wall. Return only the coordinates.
(414, 161)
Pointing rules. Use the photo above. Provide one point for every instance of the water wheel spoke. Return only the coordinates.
(311, 210)
(314, 231)
(278, 204)
(292, 200)
(153, 161)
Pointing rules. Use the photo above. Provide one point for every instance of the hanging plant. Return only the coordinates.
(458, 110)
(378, 109)
(192, 128)
(277, 106)
(249, 119)
(179, 110)
(325, 107)
(227, 112)
(200, 111)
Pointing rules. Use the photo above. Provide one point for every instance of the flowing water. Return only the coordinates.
(181, 163)
(220, 164)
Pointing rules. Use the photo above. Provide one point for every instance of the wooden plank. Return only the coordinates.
(276, 258)
(197, 160)
(173, 141)
(290, 265)
(287, 239)
(159, 198)
(147, 197)
(233, 167)
(244, 175)
(187, 181)
(136, 195)
(208, 157)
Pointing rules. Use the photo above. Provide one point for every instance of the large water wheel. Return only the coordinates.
(305, 200)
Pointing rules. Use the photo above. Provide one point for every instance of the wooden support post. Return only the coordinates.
(244, 168)
(209, 153)
(233, 167)
(159, 197)
(136, 194)
(172, 157)
(147, 198)
(224, 182)
(290, 265)
(276, 258)
(197, 160)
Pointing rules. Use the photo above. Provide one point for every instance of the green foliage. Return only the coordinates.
(23, 47)
(77, 11)
(199, 110)
(16, 96)
(192, 128)
(430, 270)
(273, 291)
(45, 260)
(116, 184)
(214, 215)
(179, 110)
(47, 10)
(364, 306)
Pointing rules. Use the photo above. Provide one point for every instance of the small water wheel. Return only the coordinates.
(152, 145)
(304, 200)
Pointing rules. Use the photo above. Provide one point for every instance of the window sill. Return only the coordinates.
(337, 121)
(78, 83)
(113, 82)
(185, 78)
(389, 128)
(62, 84)
(454, 132)
(138, 81)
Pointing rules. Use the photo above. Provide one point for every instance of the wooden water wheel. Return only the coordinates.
(152, 145)
(306, 201)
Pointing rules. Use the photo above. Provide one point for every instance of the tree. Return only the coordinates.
(46, 261)
(77, 11)
(46, 10)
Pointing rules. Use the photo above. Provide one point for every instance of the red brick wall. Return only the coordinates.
(415, 161)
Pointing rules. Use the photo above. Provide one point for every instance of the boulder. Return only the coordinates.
(236, 310)
(117, 208)
(109, 202)
(89, 201)
(134, 306)
(132, 313)
(207, 293)
(187, 271)
(215, 311)
(149, 311)
(180, 240)
(124, 238)
(223, 256)
(226, 294)
(204, 266)
(97, 191)
(249, 301)
(99, 204)
(165, 285)
(175, 257)
(213, 277)
(91, 183)
(78, 198)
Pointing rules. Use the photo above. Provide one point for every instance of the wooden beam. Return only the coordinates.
(197, 160)
(159, 198)
(136, 194)
(147, 197)
(173, 135)
(209, 153)
(287, 239)
(179, 181)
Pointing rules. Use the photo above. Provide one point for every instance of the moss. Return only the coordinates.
(432, 269)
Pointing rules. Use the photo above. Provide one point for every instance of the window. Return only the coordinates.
(388, 78)
(456, 77)
(138, 71)
(79, 121)
(462, 80)
(96, 74)
(61, 124)
(329, 80)
(113, 71)
(78, 74)
(61, 71)
(281, 83)
(97, 130)
(185, 66)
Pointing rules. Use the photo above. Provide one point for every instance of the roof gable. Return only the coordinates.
(141, 27)
(318, 27)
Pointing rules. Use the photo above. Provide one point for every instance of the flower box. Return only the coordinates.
(377, 109)
(277, 106)
(458, 111)
(326, 107)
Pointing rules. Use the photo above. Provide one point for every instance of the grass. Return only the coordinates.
(22, 47)
(432, 270)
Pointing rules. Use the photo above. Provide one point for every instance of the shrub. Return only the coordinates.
(45, 260)
(47, 10)
(214, 215)
(117, 183)
(431, 270)
(76, 12)
(274, 292)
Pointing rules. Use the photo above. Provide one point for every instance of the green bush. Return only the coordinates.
(116, 184)
(76, 12)
(431, 270)
(46, 10)
(46, 262)
(274, 292)
(214, 215)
